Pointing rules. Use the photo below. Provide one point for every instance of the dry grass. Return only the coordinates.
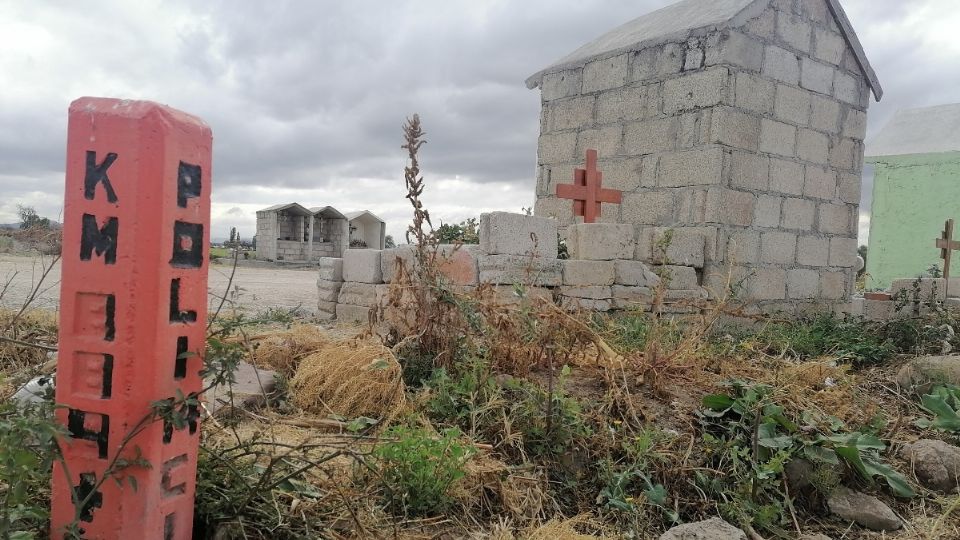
(350, 381)
(283, 351)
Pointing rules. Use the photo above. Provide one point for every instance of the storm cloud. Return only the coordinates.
(306, 99)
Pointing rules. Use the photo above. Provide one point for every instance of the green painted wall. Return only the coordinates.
(912, 196)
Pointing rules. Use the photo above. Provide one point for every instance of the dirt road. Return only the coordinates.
(253, 289)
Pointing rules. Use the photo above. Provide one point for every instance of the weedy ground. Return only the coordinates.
(473, 414)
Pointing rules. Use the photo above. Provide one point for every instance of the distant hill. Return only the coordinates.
(9, 225)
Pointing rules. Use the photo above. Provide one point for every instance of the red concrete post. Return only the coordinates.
(132, 310)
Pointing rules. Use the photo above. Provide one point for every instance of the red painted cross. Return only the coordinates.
(587, 190)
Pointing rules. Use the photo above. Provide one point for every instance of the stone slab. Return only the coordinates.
(600, 241)
(251, 387)
(511, 269)
(352, 314)
(505, 233)
(581, 273)
(678, 277)
(330, 268)
(362, 265)
(358, 294)
(634, 274)
(328, 291)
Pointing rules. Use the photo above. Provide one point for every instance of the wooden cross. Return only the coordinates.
(587, 190)
(947, 245)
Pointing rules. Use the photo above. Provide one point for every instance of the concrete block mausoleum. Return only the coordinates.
(739, 124)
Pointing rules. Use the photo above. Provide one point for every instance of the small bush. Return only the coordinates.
(419, 468)
(27, 451)
(849, 339)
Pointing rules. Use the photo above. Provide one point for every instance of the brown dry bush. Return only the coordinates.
(350, 381)
(283, 351)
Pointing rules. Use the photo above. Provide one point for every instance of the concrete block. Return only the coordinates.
(749, 171)
(766, 284)
(754, 93)
(696, 90)
(632, 298)
(556, 147)
(763, 25)
(701, 166)
(330, 268)
(459, 264)
(878, 310)
(848, 189)
(634, 274)
(741, 50)
(606, 140)
(347, 313)
(572, 303)
(793, 31)
(560, 210)
(781, 65)
(786, 176)
(362, 265)
(605, 74)
(816, 76)
(778, 247)
(655, 62)
(519, 269)
(825, 114)
(828, 46)
(792, 105)
(695, 128)
(845, 154)
(835, 219)
(677, 277)
(798, 214)
(854, 124)
(621, 105)
(684, 246)
(833, 285)
(358, 294)
(388, 261)
(505, 233)
(622, 174)
(802, 283)
(651, 136)
(648, 207)
(777, 138)
(813, 146)
(922, 289)
(767, 211)
(846, 88)
(729, 207)
(600, 241)
(743, 247)
(693, 59)
(581, 273)
(328, 291)
(820, 183)
(843, 252)
(570, 113)
(593, 292)
(731, 127)
(813, 251)
(561, 84)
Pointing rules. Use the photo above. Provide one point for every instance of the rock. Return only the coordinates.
(251, 388)
(711, 529)
(798, 472)
(936, 463)
(863, 509)
(923, 372)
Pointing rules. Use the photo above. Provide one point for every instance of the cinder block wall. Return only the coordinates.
(750, 136)
(266, 235)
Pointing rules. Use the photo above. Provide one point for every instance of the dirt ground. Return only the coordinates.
(253, 289)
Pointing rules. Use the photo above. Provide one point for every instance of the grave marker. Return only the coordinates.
(947, 246)
(132, 322)
(587, 190)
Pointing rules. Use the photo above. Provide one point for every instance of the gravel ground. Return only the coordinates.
(253, 289)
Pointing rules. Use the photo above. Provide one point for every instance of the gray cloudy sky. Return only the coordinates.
(306, 98)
